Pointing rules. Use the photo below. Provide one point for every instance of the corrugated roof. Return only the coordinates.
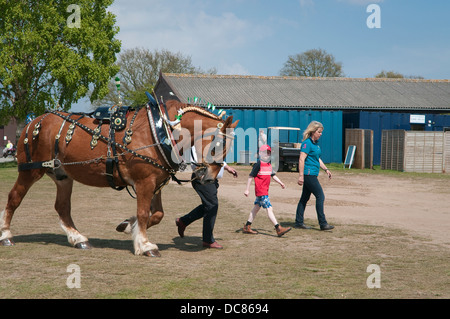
(322, 93)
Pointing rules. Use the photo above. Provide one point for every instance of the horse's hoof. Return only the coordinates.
(83, 245)
(152, 253)
(122, 226)
(7, 242)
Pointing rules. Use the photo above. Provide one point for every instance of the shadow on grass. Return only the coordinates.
(187, 243)
(272, 233)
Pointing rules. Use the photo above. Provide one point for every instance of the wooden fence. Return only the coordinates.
(414, 151)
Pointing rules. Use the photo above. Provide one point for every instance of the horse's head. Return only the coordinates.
(215, 145)
(212, 138)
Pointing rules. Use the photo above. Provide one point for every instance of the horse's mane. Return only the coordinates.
(194, 108)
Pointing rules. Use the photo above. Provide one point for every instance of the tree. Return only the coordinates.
(313, 63)
(396, 75)
(139, 72)
(389, 74)
(52, 52)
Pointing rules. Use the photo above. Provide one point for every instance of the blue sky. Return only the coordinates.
(255, 37)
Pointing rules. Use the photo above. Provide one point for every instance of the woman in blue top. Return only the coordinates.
(309, 165)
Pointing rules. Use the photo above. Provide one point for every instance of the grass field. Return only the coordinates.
(303, 264)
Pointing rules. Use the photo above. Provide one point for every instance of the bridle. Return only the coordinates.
(218, 141)
(201, 169)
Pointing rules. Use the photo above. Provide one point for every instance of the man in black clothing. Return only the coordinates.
(207, 209)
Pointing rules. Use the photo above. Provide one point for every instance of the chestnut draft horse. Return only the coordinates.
(84, 153)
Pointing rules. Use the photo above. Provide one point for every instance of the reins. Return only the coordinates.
(116, 144)
(57, 163)
(96, 135)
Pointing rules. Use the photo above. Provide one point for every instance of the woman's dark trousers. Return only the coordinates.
(311, 185)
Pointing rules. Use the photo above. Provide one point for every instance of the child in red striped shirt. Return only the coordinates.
(262, 173)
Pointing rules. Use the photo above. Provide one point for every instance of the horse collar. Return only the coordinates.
(163, 137)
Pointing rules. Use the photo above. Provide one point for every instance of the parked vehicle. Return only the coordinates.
(288, 152)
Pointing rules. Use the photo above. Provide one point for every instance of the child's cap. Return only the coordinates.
(265, 147)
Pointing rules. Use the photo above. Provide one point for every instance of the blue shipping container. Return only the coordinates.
(252, 120)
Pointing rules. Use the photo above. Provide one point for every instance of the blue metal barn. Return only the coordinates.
(379, 121)
(339, 103)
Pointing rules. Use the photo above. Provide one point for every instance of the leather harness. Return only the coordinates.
(117, 118)
(117, 122)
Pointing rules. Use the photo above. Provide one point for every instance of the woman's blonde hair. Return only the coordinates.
(312, 127)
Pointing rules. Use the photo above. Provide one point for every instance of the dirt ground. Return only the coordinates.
(420, 205)
(397, 221)
(417, 204)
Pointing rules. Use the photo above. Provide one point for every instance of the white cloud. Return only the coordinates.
(185, 26)
(306, 3)
(233, 69)
(361, 2)
(310, 3)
